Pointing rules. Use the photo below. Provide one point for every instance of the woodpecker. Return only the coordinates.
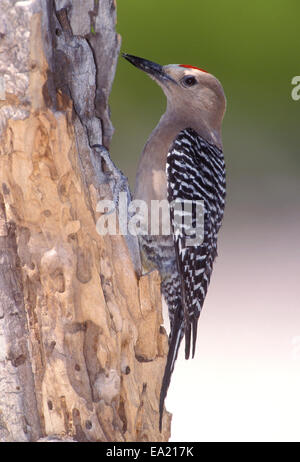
(183, 159)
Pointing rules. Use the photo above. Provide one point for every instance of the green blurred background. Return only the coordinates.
(243, 384)
(254, 50)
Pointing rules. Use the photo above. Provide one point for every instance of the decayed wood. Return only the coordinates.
(82, 349)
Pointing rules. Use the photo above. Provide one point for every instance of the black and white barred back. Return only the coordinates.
(195, 172)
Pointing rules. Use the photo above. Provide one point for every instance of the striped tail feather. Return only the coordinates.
(187, 336)
(174, 344)
(194, 325)
(190, 330)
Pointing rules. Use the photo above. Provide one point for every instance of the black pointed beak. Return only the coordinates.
(154, 69)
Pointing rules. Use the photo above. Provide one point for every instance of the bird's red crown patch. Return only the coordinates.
(192, 67)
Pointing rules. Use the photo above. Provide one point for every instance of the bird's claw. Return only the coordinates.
(119, 181)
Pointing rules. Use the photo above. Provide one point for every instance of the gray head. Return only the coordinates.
(194, 96)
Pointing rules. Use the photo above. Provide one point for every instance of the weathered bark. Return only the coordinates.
(82, 350)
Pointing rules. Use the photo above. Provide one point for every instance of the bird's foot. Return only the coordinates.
(118, 181)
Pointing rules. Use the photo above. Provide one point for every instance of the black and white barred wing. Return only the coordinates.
(196, 193)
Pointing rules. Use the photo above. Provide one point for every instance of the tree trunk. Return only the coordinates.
(82, 350)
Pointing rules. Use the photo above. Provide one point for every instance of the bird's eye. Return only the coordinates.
(189, 81)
